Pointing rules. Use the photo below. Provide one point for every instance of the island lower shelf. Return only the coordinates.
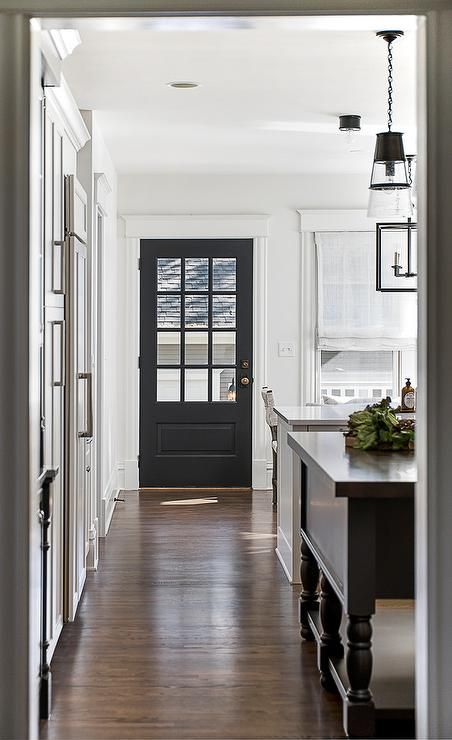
(392, 682)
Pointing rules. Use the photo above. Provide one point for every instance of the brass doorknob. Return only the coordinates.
(244, 380)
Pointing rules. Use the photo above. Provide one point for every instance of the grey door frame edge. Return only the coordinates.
(19, 331)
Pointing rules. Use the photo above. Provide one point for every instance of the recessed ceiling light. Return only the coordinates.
(183, 85)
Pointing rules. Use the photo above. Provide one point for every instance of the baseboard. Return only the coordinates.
(260, 478)
(120, 481)
(284, 553)
(131, 478)
(108, 504)
(92, 560)
(269, 475)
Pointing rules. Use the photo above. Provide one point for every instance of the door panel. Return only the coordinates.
(79, 397)
(196, 363)
(54, 367)
(54, 458)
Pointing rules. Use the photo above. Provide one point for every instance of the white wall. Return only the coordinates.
(113, 338)
(95, 159)
(278, 196)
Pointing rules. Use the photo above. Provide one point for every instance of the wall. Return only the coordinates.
(279, 196)
(113, 340)
(106, 260)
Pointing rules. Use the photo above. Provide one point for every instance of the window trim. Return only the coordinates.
(311, 221)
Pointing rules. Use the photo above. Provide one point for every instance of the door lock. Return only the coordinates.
(245, 380)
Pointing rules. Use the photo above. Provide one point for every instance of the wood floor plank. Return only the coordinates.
(188, 630)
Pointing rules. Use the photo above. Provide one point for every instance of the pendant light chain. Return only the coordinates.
(389, 85)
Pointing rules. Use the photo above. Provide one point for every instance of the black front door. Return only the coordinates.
(196, 362)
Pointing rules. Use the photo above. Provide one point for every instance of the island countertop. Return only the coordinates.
(317, 415)
(356, 473)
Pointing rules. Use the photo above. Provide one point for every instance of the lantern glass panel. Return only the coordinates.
(389, 175)
(385, 204)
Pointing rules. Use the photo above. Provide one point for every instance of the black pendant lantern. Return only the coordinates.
(397, 248)
(389, 183)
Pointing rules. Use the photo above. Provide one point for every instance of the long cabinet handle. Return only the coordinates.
(89, 377)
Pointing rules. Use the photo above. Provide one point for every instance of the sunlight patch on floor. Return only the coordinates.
(189, 502)
(257, 535)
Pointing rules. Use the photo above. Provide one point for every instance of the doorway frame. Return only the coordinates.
(19, 329)
(202, 226)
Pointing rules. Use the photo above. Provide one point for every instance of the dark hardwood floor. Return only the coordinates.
(189, 629)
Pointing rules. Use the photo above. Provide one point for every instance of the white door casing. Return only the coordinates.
(19, 330)
(185, 227)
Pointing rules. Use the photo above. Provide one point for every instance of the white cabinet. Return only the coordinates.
(298, 419)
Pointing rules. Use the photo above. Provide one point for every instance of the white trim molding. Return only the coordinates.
(67, 109)
(108, 503)
(335, 220)
(199, 227)
(102, 190)
(195, 226)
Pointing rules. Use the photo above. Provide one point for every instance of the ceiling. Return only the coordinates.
(269, 96)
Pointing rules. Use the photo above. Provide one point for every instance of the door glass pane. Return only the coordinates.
(168, 385)
(168, 273)
(196, 273)
(223, 347)
(168, 348)
(223, 310)
(224, 273)
(223, 384)
(196, 385)
(196, 311)
(196, 347)
(168, 311)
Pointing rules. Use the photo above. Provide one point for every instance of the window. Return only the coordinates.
(366, 341)
(357, 375)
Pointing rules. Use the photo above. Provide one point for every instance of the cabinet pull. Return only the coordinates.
(88, 433)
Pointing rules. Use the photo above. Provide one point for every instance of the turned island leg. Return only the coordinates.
(359, 708)
(309, 573)
(330, 639)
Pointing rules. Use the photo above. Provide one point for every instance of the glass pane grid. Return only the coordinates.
(193, 294)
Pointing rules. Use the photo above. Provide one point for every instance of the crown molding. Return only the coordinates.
(64, 102)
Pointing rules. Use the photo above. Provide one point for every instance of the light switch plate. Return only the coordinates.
(286, 349)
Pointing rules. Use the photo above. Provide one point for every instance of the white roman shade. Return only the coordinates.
(352, 315)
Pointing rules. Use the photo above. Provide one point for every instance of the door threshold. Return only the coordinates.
(196, 488)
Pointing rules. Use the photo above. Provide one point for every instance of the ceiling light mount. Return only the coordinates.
(350, 122)
(183, 84)
(389, 36)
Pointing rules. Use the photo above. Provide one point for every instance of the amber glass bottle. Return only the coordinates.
(408, 397)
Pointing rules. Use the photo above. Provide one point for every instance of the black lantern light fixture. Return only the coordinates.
(389, 184)
(397, 248)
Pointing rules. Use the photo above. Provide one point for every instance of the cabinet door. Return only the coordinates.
(79, 395)
(54, 341)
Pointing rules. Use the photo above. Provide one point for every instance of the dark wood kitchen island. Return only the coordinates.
(357, 574)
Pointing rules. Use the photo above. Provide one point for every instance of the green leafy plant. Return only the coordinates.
(377, 427)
